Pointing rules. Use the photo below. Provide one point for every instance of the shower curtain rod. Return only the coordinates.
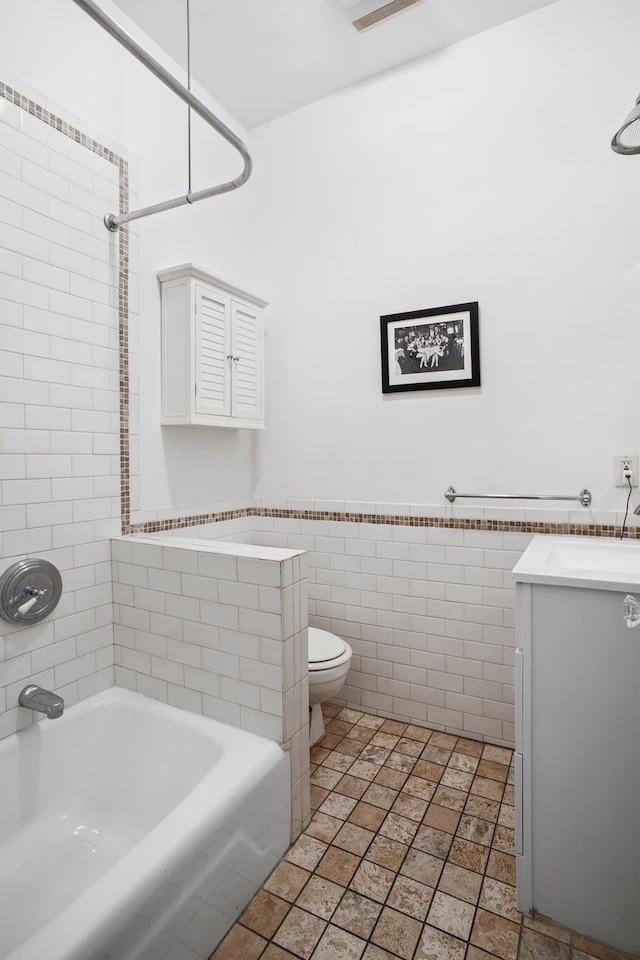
(112, 222)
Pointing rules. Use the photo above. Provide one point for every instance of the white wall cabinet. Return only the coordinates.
(212, 356)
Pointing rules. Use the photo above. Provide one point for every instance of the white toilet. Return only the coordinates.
(329, 661)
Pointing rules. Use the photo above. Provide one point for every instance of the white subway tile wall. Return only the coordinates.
(429, 613)
(59, 421)
(221, 632)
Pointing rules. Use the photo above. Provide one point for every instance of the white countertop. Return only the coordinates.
(599, 563)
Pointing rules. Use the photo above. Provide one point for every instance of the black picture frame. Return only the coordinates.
(432, 349)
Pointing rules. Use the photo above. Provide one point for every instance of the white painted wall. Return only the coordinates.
(54, 46)
(482, 172)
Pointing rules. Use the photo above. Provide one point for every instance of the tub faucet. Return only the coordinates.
(35, 698)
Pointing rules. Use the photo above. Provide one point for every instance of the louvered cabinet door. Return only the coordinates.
(213, 349)
(246, 326)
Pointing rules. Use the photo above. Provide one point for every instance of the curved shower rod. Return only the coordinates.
(112, 222)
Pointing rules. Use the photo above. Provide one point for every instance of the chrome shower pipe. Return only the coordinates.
(112, 221)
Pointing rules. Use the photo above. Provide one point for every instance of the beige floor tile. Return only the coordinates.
(399, 828)
(317, 796)
(442, 818)
(361, 732)
(379, 796)
(414, 808)
(317, 754)
(320, 897)
(506, 817)
(265, 913)
(385, 739)
(373, 881)
(436, 754)
(475, 953)
(357, 914)
(411, 897)
(411, 748)
(499, 754)
(387, 853)
(339, 727)
(338, 944)
(420, 788)
(368, 720)
(324, 827)
(504, 840)
(338, 865)
(374, 754)
(422, 867)
(496, 935)
(430, 840)
(330, 709)
(452, 915)
(482, 807)
(418, 733)
(450, 797)
(377, 953)
(395, 779)
(306, 852)
(353, 838)
(492, 770)
(240, 942)
(394, 727)
(274, 952)
(472, 856)
(299, 933)
(287, 880)
(364, 770)
(351, 786)
(446, 740)
(502, 866)
(367, 816)
(329, 741)
(338, 761)
(456, 778)
(491, 789)
(325, 778)
(548, 927)
(350, 747)
(337, 806)
(438, 945)
(509, 794)
(401, 761)
(398, 932)
(350, 716)
(461, 883)
(500, 898)
(472, 748)
(428, 770)
(537, 946)
(479, 831)
(463, 762)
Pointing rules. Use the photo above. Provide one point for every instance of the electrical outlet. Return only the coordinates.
(626, 466)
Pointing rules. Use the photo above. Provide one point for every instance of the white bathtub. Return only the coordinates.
(130, 830)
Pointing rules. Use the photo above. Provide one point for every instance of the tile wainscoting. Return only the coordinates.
(219, 631)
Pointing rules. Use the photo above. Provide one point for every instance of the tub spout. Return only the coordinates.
(35, 698)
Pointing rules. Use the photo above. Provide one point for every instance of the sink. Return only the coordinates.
(604, 564)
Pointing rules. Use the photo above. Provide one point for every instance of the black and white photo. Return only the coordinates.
(428, 349)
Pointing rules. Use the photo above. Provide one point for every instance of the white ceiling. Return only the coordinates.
(262, 59)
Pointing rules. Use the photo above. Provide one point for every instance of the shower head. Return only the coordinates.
(627, 139)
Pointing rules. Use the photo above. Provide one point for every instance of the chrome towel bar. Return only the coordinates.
(584, 497)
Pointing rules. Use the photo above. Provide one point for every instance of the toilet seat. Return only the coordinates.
(326, 650)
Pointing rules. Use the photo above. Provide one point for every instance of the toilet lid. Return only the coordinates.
(324, 645)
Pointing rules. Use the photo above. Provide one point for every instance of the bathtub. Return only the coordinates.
(131, 830)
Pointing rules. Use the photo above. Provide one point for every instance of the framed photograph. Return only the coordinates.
(433, 349)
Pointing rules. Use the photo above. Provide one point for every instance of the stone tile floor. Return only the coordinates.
(409, 856)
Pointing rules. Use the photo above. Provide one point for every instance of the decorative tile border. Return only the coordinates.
(395, 520)
(68, 130)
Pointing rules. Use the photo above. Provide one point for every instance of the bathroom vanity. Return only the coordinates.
(578, 736)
